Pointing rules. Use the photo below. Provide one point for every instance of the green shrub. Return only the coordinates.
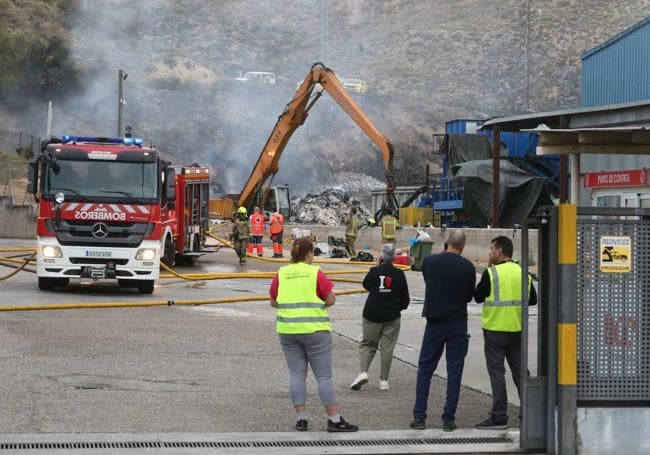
(33, 64)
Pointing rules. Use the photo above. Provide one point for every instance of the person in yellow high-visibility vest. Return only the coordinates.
(500, 292)
(389, 226)
(301, 294)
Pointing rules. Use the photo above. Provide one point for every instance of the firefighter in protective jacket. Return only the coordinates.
(388, 227)
(240, 233)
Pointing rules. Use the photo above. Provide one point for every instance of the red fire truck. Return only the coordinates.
(110, 208)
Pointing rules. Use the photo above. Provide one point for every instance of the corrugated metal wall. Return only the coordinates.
(601, 163)
(618, 71)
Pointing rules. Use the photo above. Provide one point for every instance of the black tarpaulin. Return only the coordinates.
(519, 192)
(460, 148)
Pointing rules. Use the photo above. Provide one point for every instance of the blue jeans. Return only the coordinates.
(452, 337)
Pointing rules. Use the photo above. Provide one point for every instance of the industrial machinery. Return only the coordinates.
(258, 190)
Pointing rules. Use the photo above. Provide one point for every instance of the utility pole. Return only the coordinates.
(48, 133)
(323, 45)
(121, 77)
(526, 56)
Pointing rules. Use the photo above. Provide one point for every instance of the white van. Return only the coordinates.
(354, 85)
(262, 77)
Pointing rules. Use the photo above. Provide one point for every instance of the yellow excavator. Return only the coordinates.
(258, 190)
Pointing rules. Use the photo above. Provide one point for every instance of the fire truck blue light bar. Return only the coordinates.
(104, 140)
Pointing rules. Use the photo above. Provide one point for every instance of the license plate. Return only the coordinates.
(98, 254)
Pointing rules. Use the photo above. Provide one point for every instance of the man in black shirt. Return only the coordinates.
(450, 280)
(388, 295)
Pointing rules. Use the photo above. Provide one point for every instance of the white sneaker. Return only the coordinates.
(383, 385)
(359, 381)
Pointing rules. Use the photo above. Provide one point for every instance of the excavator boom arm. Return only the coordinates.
(295, 113)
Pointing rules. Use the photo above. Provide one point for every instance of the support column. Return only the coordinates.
(496, 171)
(574, 165)
(567, 330)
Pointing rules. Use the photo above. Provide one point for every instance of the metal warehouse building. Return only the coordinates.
(614, 72)
(618, 70)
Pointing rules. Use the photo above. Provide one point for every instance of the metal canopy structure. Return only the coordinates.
(628, 141)
(611, 120)
(614, 115)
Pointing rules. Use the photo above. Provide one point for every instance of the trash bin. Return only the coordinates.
(419, 251)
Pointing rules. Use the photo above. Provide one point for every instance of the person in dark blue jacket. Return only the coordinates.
(450, 281)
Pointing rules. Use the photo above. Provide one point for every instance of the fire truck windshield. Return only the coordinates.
(103, 179)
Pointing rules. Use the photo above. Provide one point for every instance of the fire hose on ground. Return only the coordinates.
(72, 306)
(19, 268)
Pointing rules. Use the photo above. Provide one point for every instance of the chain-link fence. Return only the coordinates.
(16, 150)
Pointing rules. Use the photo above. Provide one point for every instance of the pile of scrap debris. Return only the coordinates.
(330, 205)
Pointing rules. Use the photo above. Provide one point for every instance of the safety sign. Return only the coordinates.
(615, 254)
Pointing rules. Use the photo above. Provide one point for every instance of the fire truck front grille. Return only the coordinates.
(101, 261)
(84, 233)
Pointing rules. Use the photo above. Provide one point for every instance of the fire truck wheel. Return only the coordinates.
(45, 284)
(170, 253)
(145, 286)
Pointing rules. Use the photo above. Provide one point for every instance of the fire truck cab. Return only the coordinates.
(110, 208)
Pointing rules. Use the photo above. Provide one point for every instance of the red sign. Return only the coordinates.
(637, 177)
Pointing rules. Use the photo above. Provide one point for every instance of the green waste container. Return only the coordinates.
(419, 251)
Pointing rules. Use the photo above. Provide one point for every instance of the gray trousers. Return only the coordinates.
(500, 346)
(379, 335)
(315, 350)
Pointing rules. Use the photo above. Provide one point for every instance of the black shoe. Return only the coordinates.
(417, 424)
(301, 425)
(341, 427)
(448, 425)
(493, 423)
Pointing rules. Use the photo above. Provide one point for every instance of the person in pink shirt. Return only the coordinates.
(301, 294)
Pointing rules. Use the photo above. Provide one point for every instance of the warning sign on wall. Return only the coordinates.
(615, 254)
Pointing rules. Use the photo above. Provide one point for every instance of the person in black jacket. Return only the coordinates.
(388, 295)
(449, 280)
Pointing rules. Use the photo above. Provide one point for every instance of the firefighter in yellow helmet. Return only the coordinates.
(240, 233)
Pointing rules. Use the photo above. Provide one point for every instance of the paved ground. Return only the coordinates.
(199, 369)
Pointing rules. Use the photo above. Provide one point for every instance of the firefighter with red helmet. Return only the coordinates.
(257, 232)
(276, 228)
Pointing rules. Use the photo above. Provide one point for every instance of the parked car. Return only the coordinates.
(262, 77)
(354, 85)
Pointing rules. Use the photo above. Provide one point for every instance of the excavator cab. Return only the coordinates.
(278, 199)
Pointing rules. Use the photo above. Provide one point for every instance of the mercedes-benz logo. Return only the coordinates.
(100, 230)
